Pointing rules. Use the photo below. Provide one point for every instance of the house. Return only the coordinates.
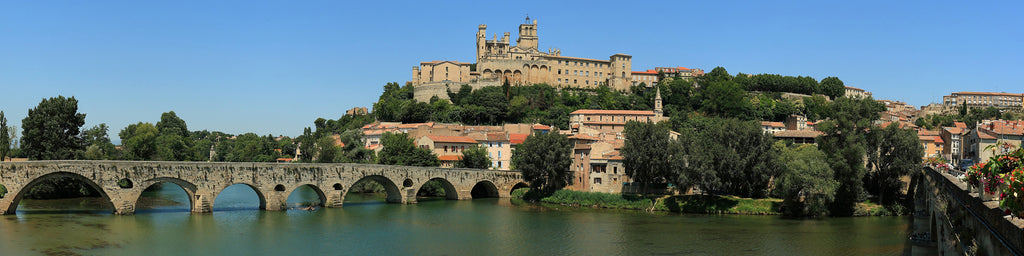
(498, 147)
(447, 148)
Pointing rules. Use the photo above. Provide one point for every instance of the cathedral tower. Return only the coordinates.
(527, 35)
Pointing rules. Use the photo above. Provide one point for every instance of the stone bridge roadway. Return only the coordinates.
(960, 222)
(122, 182)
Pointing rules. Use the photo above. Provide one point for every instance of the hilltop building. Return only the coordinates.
(972, 100)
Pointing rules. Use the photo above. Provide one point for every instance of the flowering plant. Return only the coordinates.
(1012, 197)
(973, 175)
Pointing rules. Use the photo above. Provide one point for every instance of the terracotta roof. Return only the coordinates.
(797, 134)
(577, 58)
(583, 137)
(441, 61)
(984, 135)
(374, 146)
(989, 93)
(960, 125)
(953, 130)
(612, 112)
(449, 158)
(582, 146)
(604, 123)
(772, 124)
(1006, 127)
(517, 138)
(541, 127)
(928, 133)
(414, 125)
(854, 88)
(648, 72)
(284, 159)
(938, 140)
(451, 139)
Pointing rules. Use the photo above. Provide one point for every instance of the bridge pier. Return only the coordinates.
(276, 202)
(202, 202)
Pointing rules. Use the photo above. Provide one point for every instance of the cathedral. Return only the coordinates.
(498, 61)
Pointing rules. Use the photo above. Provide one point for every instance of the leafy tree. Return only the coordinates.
(170, 123)
(727, 155)
(844, 145)
(399, 149)
(474, 157)
(171, 147)
(647, 154)
(5, 138)
(892, 153)
(98, 145)
(51, 129)
(544, 159)
(327, 152)
(139, 141)
(833, 87)
(725, 98)
(806, 184)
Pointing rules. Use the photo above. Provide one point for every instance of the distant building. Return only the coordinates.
(953, 140)
(356, 111)
(772, 127)
(972, 100)
(856, 93)
(932, 142)
(651, 77)
(614, 121)
(992, 132)
(447, 148)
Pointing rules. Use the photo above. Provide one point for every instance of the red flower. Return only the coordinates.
(1007, 211)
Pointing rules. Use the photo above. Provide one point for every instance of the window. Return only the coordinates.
(559, 71)
(499, 163)
(597, 180)
(499, 144)
(445, 148)
(615, 170)
(499, 154)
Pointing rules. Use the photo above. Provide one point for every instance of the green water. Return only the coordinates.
(367, 226)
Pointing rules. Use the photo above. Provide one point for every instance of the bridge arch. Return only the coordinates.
(517, 186)
(319, 193)
(190, 189)
(394, 195)
(262, 196)
(450, 192)
(19, 193)
(484, 189)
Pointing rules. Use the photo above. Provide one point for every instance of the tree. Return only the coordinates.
(833, 87)
(892, 153)
(51, 130)
(139, 141)
(327, 152)
(5, 138)
(171, 124)
(844, 145)
(399, 149)
(474, 157)
(726, 155)
(725, 98)
(544, 160)
(806, 184)
(97, 143)
(647, 153)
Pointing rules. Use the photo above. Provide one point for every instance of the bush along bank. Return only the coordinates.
(704, 204)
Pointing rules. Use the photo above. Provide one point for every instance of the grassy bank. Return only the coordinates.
(708, 204)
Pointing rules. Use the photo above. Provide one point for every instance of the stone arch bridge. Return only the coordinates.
(122, 182)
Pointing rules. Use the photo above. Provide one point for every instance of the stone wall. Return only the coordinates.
(273, 182)
(423, 92)
(960, 219)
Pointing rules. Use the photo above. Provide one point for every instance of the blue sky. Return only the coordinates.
(272, 67)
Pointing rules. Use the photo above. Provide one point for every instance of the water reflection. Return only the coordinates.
(436, 227)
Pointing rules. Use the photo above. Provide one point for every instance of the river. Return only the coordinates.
(368, 226)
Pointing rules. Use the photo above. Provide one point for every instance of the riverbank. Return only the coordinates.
(703, 204)
(700, 204)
